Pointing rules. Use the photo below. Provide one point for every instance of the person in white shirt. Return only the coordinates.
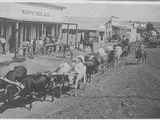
(109, 48)
(64, 68)
(101, 51)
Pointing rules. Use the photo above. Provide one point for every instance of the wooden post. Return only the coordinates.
(76, 43)
(60, 37)
(57, 30)
(105, 33)
(111, 29)
(42, 29)
(16, 45)
(67, 33)
(2, 29)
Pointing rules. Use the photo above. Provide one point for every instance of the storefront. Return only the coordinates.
(69, 34)
(89, 29)
(21, 22)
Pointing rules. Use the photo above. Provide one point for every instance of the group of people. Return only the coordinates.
(3, 44)
(46, 46)
(36, 46)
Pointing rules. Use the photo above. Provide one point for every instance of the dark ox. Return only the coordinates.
(34, 83)
(92, 62)
(95, 62)
(14, 75)
(17, 73)
(105, 62)
(35, 87)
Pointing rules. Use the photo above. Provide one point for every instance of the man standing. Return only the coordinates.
(34, 46)
(3, 43)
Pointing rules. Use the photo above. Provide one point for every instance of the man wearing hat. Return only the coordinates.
(64, 68)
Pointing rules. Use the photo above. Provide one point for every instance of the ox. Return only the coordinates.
(140, 54)
(18, 84)
(92, 63)
(118, 53)
(80, 72)
(12, 78)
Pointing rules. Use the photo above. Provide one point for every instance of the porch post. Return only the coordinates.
(67, 33)
(76, 43)
(105, 33)
(42, 29)
(16, 45)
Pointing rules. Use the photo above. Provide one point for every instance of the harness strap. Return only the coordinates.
(18, 88)
(20, 85)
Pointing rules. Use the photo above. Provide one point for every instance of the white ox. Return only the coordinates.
(118, 53)
(80, 68)
(79, 71)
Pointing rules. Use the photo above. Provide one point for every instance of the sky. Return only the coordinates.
(125, 11)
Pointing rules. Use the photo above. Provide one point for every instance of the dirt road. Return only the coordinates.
(131, 91)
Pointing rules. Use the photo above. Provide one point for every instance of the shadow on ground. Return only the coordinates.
(130, 63)
(15, 103)
(23, 102)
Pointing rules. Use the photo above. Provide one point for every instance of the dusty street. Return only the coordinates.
(132, 91)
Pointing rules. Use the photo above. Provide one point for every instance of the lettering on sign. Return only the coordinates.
(35, 13)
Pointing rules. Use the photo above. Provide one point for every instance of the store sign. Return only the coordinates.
(35, 13)
(30, 13)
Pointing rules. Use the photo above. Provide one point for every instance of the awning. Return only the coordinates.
(24, 12)
(87, 23)
(101, 28)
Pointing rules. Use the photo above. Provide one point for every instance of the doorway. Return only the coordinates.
(12, 39)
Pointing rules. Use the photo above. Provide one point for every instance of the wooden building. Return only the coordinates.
(21, 22)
